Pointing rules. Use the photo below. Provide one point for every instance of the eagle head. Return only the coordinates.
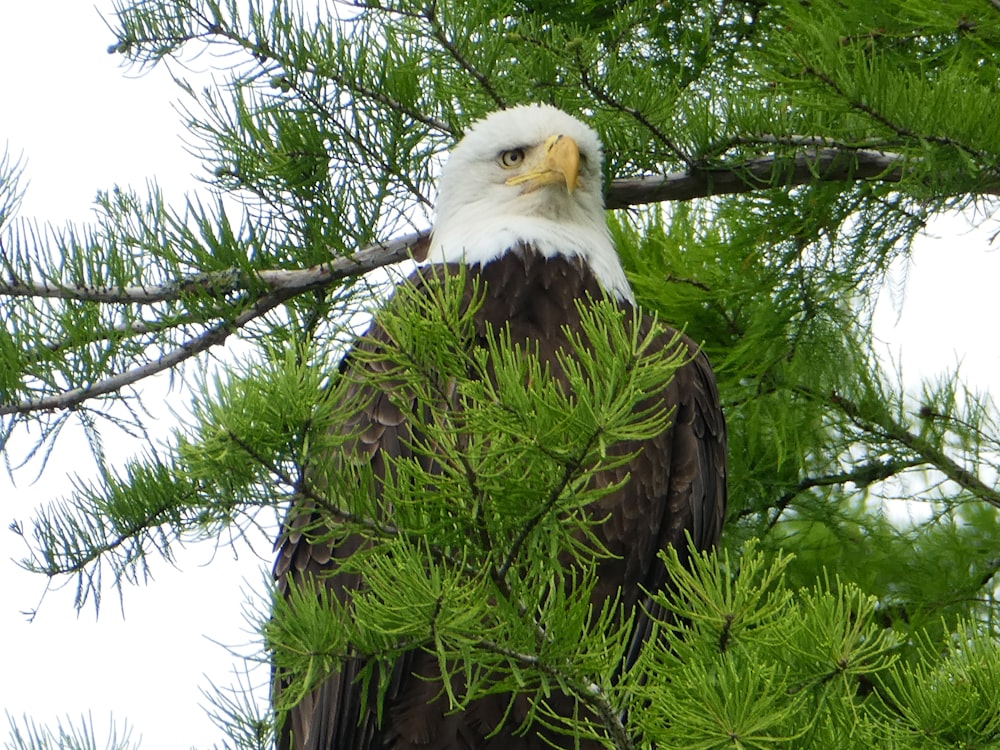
(529, 176)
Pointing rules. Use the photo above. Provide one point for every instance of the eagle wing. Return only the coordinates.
(676, 489)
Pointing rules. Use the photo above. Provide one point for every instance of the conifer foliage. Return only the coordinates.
(766, 163)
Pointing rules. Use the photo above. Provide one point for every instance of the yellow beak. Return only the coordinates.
(559, 164)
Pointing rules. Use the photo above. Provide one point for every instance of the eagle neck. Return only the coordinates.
(489, 241)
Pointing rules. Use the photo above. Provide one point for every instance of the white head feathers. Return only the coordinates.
(496, 193)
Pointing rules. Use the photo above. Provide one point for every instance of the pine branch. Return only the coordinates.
(78, 528)
(570, 470)
(214, 336)
(109, 335)
(926, 450)
(282, 286)
(589, 694)
(304, 491)
(602, 95)
(439, 34)
(230, 282)
(289, 64)
(885, 121)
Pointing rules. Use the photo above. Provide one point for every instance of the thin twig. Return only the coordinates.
(930, 453)
(602, 95)
(860, 477)
(881, 118)
(438, 33)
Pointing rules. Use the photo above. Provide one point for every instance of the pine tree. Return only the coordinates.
(766, 164)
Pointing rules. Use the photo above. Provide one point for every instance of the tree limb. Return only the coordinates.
(861, 476)
(823, 164)
(228, 282)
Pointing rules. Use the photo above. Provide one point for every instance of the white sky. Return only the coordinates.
(83, 126)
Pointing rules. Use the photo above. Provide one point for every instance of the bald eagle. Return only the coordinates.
(520, 213)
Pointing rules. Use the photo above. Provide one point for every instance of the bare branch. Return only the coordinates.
(215, 284)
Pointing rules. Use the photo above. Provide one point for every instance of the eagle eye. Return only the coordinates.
(511, 158)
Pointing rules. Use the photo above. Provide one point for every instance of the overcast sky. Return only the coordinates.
(83, 126)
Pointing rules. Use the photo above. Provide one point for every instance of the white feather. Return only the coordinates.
(480, 217)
